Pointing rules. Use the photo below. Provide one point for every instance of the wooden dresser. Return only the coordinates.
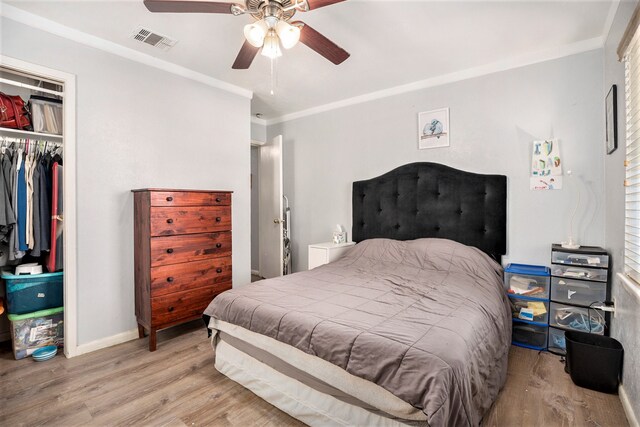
(182, 255)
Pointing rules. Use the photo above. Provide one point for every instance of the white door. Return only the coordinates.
(270, 241)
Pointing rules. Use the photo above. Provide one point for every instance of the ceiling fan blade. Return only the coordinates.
(245, 56)
(316, 4)
(321, 44)
(187, 6)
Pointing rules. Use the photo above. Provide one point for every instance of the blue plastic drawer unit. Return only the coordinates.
(529, 335)
(528, 291)
(33, 292)
(527, 280)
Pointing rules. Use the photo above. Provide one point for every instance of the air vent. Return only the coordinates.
(152, 38)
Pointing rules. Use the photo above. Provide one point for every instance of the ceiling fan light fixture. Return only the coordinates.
(289, 34)
(255, 33)
(271, 48)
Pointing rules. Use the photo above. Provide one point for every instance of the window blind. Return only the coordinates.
(632, 159)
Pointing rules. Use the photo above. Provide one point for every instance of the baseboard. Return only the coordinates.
(628, 408)
(106, 342)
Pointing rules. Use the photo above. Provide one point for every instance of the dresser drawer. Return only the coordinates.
(181, 305)
(185, 198)
(189, 220)
(190, 275)
(578, 292)
(191, 247)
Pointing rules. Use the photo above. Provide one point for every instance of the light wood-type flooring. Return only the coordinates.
(177, 385)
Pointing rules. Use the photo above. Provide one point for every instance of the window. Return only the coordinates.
(632, 160)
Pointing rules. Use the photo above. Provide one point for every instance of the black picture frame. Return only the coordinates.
(611, 120)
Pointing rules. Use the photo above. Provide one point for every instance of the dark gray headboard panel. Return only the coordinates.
(433, 200)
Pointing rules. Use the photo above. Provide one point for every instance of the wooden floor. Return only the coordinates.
(178, 386)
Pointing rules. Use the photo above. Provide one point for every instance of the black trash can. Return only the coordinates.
(594, 361)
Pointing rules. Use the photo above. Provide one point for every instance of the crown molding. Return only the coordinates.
(495, 67)
(35, 21)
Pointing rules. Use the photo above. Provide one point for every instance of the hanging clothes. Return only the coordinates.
(27, 200)
(55, 261)
(37, 247)
(44, 206)
(14, 245)
(22, 204)
(7, 217)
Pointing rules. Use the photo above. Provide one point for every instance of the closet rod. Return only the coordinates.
(10, 139)
(27, 86)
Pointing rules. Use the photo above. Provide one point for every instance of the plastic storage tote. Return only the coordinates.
(46, 114)
(530, 309)
(527, 280)
(594, 362)
(529, 335)
(580, 319)
(33, 292)
(578, 292)
(32, 331)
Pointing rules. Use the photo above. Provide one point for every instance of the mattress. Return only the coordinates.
(316, 373)
(425, 320)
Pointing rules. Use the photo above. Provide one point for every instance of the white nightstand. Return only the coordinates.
(323, 253)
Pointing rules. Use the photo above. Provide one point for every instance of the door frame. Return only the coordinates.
(257, 144)
(69, 194)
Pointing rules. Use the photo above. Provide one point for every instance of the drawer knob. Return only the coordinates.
(170, 308)
(169, 221)
(169, 251)
(218, 219)
(218, 200)
(169, 199)
(218, 270)
(169, 279)
(218, 245)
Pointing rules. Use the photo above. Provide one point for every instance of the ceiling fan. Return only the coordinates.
(271, 29)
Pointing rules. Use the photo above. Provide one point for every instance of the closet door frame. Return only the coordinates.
(69, 193)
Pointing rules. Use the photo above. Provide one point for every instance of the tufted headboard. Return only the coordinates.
(433, 200)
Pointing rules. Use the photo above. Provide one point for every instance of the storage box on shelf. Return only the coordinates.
(580, 279)
(31, 331)
(528, 291)
(33, 292)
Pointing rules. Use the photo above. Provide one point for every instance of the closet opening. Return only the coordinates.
(37, 208)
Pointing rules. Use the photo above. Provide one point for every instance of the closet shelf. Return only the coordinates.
(18, 133)
(31, 87)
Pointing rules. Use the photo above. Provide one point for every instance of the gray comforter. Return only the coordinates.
(427, 320)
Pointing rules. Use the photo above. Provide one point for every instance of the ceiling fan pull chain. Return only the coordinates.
(272, 75)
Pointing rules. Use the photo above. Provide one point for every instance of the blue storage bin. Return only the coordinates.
(33, 292)
(528, 280)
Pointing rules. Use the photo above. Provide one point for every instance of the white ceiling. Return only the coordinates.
(391, 43)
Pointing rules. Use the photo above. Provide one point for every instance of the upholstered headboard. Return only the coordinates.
(433, 200)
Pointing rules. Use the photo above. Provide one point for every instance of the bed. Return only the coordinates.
(410, 327)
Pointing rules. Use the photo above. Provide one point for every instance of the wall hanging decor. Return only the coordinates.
(433, 129)
(611, 130)
(546, 166)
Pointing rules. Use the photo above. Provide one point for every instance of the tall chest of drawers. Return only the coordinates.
(182, 255)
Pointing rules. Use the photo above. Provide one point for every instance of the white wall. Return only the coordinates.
(494, 119)
(626, 323)
(258, 132)
(138, 127)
